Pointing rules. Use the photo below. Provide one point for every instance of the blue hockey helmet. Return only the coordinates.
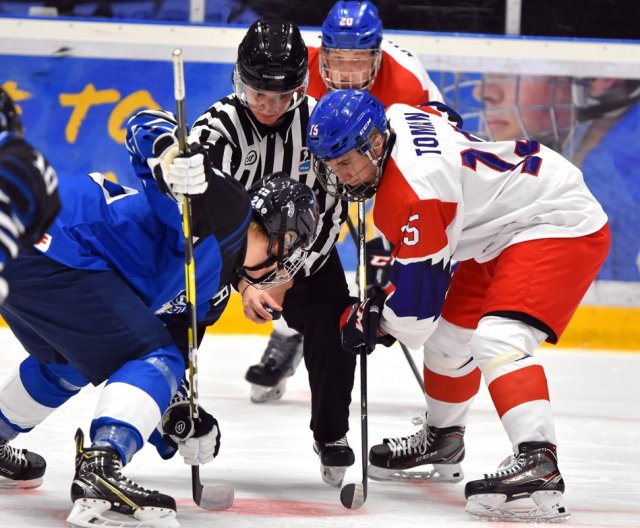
(342, 121)
(352, 25)
(9, 119)
(350, 55)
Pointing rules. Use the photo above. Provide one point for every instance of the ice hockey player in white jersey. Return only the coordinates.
(530, 239)
(102, 298)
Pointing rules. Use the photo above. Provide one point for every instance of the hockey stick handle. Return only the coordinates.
(353, 496)
(405, 350)
(189, 263)
(362, 296)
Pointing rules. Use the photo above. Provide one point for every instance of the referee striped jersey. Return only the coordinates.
(241, 146)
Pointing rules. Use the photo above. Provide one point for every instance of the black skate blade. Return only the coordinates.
(353, 496)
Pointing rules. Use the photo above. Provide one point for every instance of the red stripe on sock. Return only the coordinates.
(518, 387)
(451, 390)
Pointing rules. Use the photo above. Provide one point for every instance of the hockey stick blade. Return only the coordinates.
(353, 496)
(213, 498)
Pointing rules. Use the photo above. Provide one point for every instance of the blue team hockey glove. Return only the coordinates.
(180, 174)
(359, 326)
(198, 441)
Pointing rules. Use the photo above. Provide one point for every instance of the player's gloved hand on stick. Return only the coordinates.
(379, 262)
(198, 441)
(359, 326)
(180, 174)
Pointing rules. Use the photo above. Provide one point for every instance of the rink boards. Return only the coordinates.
(77, 82)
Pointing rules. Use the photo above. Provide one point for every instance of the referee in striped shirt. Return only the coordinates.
(259, 129)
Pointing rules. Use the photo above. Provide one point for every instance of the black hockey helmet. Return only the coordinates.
(9, 119)
(273, 57)
(288, 212)
(622, 94)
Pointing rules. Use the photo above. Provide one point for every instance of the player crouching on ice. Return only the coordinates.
(530, 239)
(101, 298)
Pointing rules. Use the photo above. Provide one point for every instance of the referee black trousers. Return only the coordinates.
(313, 307)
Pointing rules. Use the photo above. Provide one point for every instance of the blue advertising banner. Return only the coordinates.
(75, 110)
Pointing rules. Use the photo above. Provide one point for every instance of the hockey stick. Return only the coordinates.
(405, 350)
(354, 495)
(218, 497)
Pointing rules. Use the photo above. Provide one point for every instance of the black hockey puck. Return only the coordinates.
(274, 313)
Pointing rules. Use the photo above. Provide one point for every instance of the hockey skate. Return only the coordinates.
(526, 487)
(335, 458)
(442, 449)
(102, 496)
(280, 359)
(19, 468)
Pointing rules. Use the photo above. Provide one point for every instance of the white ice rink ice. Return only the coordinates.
(267, 453)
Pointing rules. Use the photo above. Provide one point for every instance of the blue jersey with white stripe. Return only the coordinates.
(106, 226)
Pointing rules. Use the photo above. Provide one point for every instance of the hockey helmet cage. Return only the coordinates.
(288, 211)
(342, 121)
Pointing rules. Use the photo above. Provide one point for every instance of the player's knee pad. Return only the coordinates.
(500, 345)
(35, 390)
(137, 394)
(447, 350)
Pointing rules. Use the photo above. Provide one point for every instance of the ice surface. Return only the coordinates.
(267, 450)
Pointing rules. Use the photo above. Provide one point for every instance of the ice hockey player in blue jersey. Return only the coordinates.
(28, 189)
(28, 203)
(101, 298)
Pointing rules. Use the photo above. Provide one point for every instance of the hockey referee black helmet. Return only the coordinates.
(273, 57)
(9, 119)
(288, 212)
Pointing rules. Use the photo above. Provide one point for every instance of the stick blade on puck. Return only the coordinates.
(216, 498)
(353, 496)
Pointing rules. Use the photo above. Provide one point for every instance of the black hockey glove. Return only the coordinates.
(379, 261)
(198, 441)
(359, 326)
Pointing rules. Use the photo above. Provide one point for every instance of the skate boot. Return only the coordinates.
(20, 468)
(280, 359)
(526, 487)
(443, 449)
(335, 458)
(100, 492)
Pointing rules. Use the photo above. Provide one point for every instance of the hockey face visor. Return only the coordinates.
(270, 103)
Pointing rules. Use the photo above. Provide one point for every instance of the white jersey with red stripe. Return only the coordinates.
(447, 195)
(401, 79)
